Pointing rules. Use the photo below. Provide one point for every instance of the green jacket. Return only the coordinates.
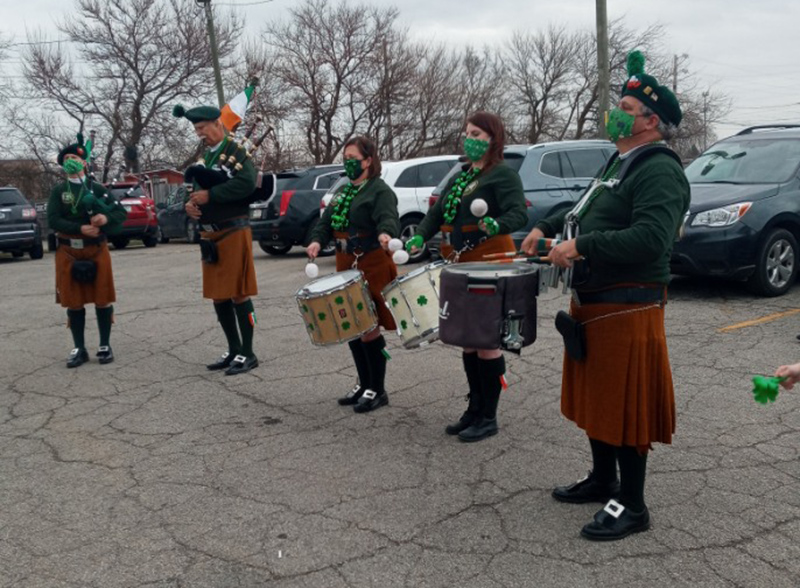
(372, 210)
(627, 233)
(230, 199)
(501, 188)
(62, 219)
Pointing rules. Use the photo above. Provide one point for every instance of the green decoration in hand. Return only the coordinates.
(492, 226)
(415, 241)
(321, 316)
(453, 199)
(339, 300)
(346, 325)
(422, 300)
(765, 388)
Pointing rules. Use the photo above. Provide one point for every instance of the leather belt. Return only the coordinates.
(221, 226)
(621, 296)
(82, 242)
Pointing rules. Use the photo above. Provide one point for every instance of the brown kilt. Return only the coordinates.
(234, 274)
(621, 393)
(379, 270)
(496, 244)
(72, 294)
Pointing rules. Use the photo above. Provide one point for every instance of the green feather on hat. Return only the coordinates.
(646, 88)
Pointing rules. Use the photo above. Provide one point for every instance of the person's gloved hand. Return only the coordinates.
(414, 243)
(489, 226)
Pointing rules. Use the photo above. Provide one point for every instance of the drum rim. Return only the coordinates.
(491, 267)
(420, 271)
(304, 292)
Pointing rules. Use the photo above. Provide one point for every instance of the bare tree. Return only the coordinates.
(135, 59)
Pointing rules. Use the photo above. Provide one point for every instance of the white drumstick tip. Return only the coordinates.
(312, 269)
(400, 256)
(479, 207)
(395, 245)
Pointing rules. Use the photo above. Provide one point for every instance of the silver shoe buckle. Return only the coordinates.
(369, 394)
(614, 508)
(239, 359)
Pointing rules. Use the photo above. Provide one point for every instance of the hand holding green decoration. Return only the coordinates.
(414, 243)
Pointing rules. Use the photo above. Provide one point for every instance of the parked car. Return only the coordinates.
(744, 219)
(554, 176)
(412, 181)
(19, 227)
(173, 222)
(142, 222)
(288, 218)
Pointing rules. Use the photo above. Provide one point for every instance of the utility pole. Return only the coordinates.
(212, 40)
(675, 74)
(705, 120)
(603, 68)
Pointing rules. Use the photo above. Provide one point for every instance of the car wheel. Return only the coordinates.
(120, 242)
(151, 241)
(274, 249)
(192, 232)
(408, 228)
(776, 264)
(37, 251)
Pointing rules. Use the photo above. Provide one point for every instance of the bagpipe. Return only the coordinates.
(235, 153)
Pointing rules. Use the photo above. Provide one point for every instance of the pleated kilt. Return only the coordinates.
(622, 392)
(72, 294)
(496, 244)
(234, 274)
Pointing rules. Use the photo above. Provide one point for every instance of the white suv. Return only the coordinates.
(413, 181)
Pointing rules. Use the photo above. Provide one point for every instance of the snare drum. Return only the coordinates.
(337, 308)
(413, 300)
(488, 305)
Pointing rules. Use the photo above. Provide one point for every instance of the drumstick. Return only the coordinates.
(525, 259)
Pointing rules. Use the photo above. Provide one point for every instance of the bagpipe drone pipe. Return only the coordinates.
(232, 159)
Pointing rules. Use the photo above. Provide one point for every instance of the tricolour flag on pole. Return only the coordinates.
(233, 112)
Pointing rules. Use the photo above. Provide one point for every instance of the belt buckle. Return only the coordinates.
(76, 243)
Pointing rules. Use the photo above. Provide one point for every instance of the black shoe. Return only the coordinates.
(467, 419)
(241, 365)
(614, 522)
(351, 397)
(104, 354)
(370, 400)
(223, 362)
(479, 430)
(77, 357)
(586, 490)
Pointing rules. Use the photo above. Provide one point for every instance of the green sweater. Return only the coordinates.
(501, 188)
(627, 233)
(62, 219)
(373, 210)
(230, 199)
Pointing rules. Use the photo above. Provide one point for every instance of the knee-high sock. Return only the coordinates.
(604, 462)
(377, 363)
(472, 369)
(361, 361)
(491, 370)
(632, 469)
(105, 317)
(245, 314)
(227, 319)
(77, 323)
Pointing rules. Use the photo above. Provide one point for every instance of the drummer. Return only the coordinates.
(467, 237)
(362, 217)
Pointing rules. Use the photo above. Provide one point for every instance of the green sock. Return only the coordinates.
(227, 318)
(105, 316)
(77, 323)
(247, 320)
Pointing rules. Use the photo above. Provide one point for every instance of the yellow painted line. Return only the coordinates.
(759, 321)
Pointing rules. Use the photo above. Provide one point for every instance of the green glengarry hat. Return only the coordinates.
(646, 88)
(78, 148)
(196, 114)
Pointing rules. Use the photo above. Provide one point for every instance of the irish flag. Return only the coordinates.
(233, 112)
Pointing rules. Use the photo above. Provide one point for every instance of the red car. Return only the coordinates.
(142, 222)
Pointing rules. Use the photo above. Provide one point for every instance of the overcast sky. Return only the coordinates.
(747, 50)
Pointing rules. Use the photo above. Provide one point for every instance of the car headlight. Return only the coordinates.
(721, 217)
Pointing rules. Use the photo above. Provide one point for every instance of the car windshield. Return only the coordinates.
(755, 161)
(11, 198)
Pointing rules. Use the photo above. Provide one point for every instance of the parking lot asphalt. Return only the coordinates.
(154, 472)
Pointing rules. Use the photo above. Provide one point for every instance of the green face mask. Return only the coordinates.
(352, 169)
(619, 125)
(475, 149)
(72, 166)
